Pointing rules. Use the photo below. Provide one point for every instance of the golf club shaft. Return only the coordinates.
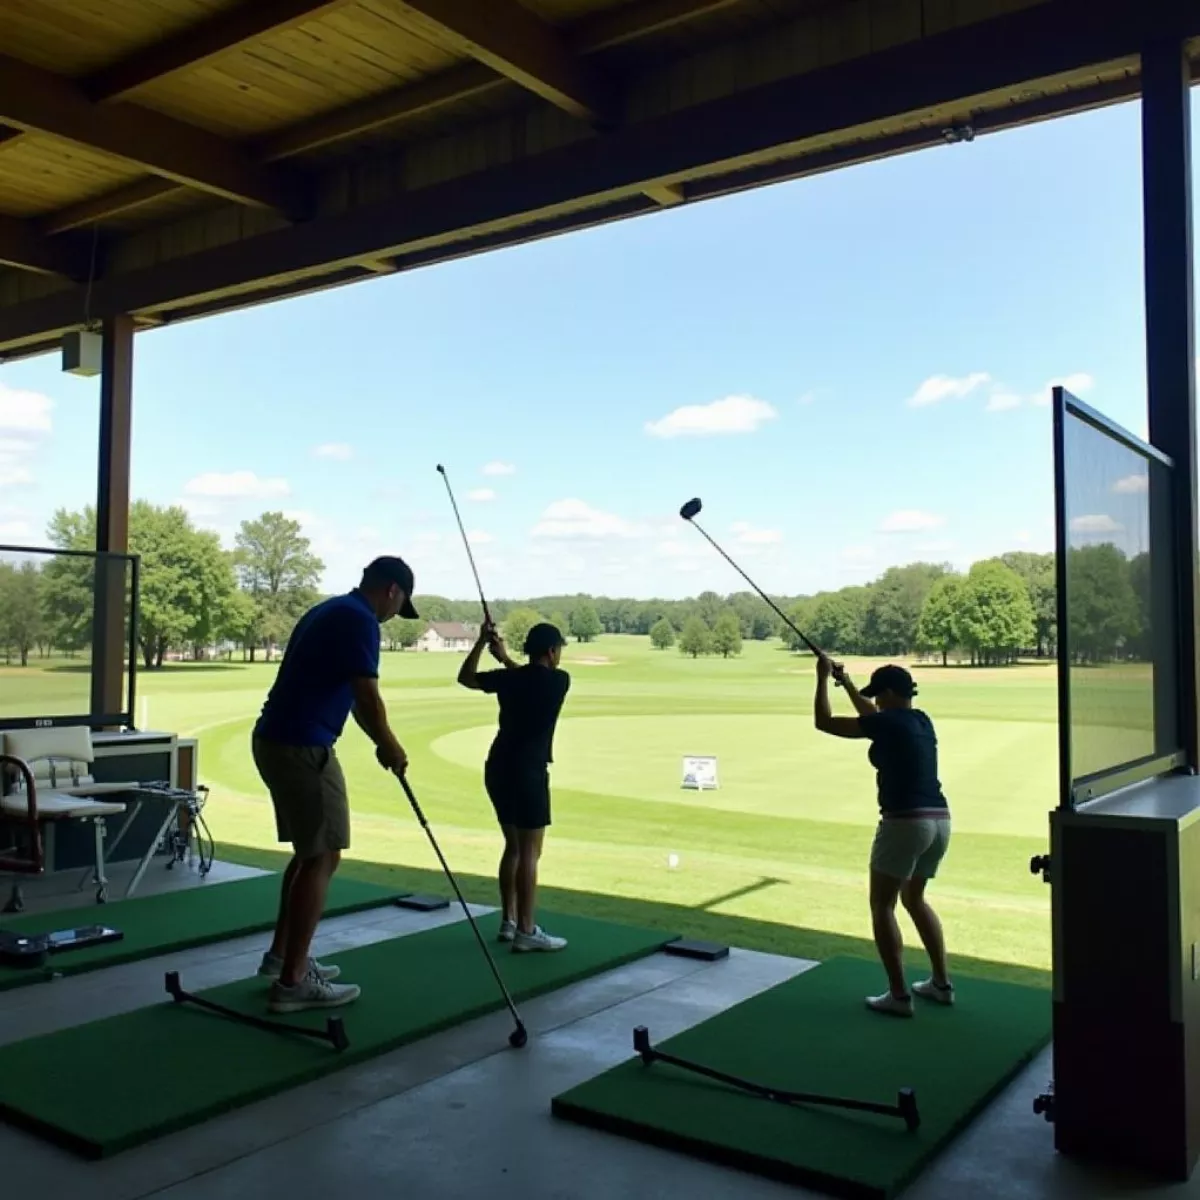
(781, 614)
(776, 1093)
(466, 542)
(412, 799)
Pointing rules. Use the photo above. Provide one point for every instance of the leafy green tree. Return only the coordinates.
(938, 627)
(560, 621)
(1140, 644)
(217, 588)
(836, 622)
(893, 610)
(709, 607)
(277, 567)
(517, 625)
(239, 620)
(21, 610)
(801, 613)
(585, 622)
(727, 634)
(995, 619)
(696, 638)
(1104, 612)
(662, 634)
(1037, 570)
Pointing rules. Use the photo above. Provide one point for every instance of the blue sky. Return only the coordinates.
(850, 371)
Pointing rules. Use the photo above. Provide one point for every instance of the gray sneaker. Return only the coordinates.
(271, 967)
(539, 939)
(311, 992)
(929, 990)
(508, 931)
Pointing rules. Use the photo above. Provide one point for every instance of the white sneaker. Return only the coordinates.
(933, 991)
(890, 1005)
(508, 931)
(311, 992)
(271, 967)
(539, 939)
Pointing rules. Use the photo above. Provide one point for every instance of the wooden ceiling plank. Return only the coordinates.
(33, 99)
(508, 38)
(109, 204)
(21, 246)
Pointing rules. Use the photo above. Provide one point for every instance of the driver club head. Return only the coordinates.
(690, 509)
(441, 469)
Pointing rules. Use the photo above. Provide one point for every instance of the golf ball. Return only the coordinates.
(672, 861)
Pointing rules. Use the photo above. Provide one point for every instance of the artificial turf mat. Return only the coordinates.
(177, 920)
(813, 1034)
(104, 1087)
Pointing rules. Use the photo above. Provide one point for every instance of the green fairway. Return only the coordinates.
(776, 857)
(152, 1067)
(813, 1034)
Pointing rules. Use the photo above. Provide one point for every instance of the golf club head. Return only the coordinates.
(441, 469)
(690, 509)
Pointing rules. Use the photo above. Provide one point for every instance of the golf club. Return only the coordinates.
(334, 1031)
(519, 1036)
(487, 616)
(905, 1107)
(689, 512)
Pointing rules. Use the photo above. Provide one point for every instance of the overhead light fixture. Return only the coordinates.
(81, 353)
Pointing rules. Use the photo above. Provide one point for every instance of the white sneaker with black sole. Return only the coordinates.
(508, 931)
(311, 992)
(927, 989)
(539, 939)
(271, 967)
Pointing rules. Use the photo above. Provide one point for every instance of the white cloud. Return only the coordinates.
(911, 520)
(937, 388)
(481, 495)
(11, 476)
(477, 537)
(859, 553)
(24, 412)
(747, 535)
(1095, 523)
(336, 450)
(1001, 401)
(1079, 384)
(1132, 485)
(236, 485)
(574, 519)
(733, 414)
(499, 468)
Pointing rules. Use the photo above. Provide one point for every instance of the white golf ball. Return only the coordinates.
(672, 861)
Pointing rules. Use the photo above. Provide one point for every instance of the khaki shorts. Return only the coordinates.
(308, 790)
(910, 847)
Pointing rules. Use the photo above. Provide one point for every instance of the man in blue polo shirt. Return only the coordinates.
(329, 671)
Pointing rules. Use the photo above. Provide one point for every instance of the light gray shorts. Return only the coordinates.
(910, 847)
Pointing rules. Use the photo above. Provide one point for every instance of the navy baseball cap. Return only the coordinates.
(890, 679)
(389, 569)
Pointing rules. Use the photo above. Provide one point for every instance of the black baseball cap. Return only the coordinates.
(389, 569)
(543, 638)
(890, 679)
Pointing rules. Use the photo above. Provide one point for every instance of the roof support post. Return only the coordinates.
(109, 639)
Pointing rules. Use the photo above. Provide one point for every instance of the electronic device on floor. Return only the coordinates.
(33, 949)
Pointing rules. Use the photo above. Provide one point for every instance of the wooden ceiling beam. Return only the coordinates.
(23, 247)
(33, 99)
(198, 43)
(504, 35)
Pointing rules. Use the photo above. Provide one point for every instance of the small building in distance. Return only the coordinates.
(446, 635)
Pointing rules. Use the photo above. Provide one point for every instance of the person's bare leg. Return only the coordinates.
(307, 902)
(529, 842)
(884, 893)
(279, 941)
(929, 927)
(508, 874)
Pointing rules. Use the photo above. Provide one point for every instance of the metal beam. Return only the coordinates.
(504, 35)
(23, 246)
(999, 59)
(37, 100)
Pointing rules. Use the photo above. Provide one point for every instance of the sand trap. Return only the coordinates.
(592, 661)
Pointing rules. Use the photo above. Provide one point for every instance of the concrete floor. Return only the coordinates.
(460, 1114)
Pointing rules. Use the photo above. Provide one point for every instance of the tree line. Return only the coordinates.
(196, 597)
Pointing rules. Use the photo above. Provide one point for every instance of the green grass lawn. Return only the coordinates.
(775, 859)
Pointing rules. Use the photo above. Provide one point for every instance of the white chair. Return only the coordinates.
(59, 761)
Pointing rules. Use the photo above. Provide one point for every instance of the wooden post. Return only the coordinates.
(109, 643)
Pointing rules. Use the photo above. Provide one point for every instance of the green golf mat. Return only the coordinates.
(101, 1088)
(177, 920)
(813, 1034)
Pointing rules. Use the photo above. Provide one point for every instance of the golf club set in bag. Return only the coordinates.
(335, 1034)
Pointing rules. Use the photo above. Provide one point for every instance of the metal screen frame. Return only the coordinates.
(1074, 791)
(90, 719)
